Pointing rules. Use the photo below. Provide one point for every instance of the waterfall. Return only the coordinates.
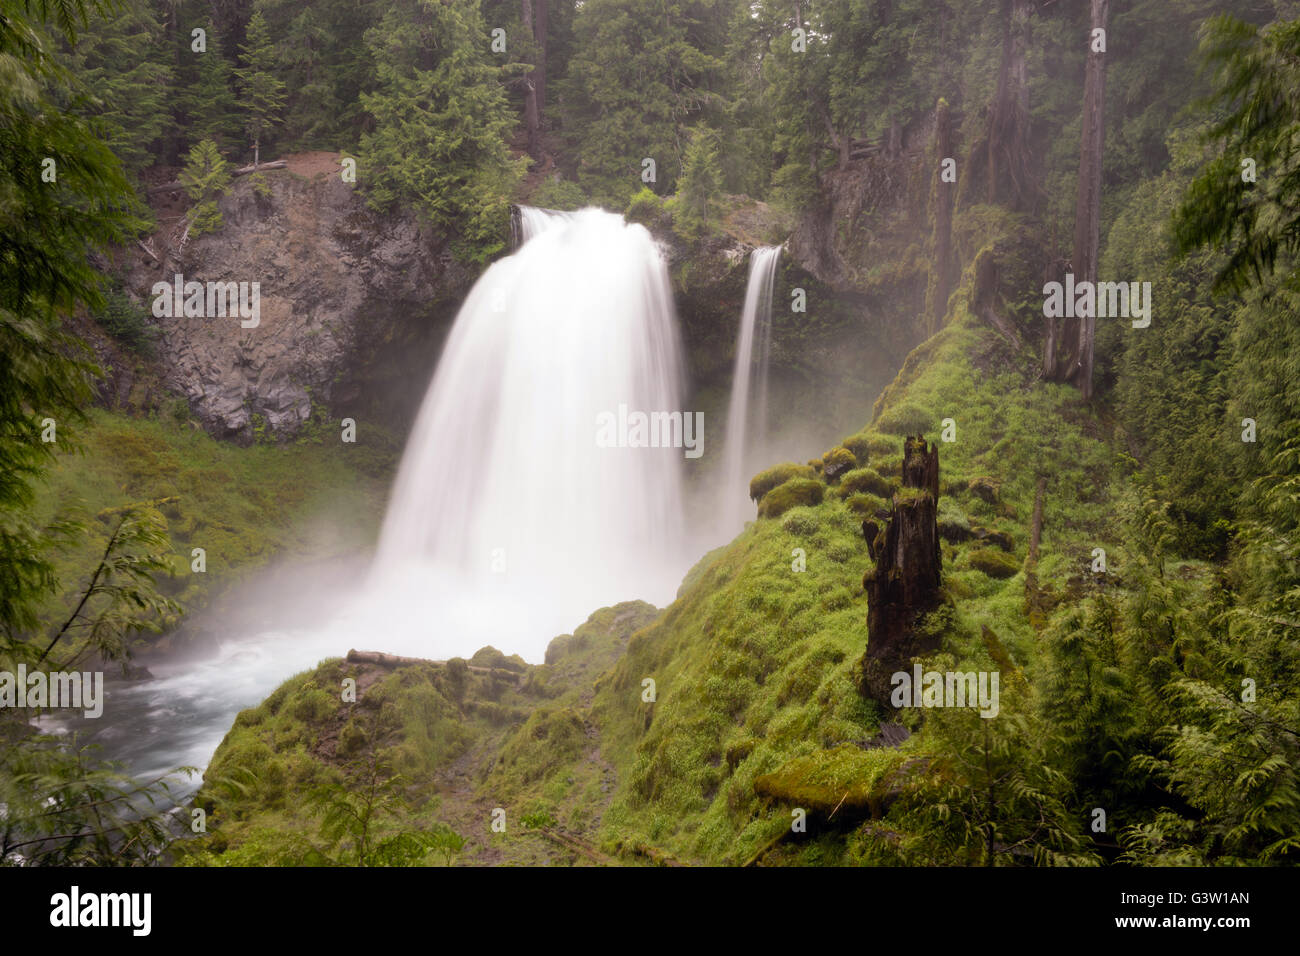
(508, 519)
(747, 413)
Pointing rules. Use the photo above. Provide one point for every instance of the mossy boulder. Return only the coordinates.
(865, 481)
(860, 446)
(846, 780)
(862, 504)
(993, 563)
(791, 494)
(986, 489)
(905, 419)
(491, 657)
(953, 523)
(765, 481)
(836, 462)
(998, 539)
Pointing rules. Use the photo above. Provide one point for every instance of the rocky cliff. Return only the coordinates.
(353, 305)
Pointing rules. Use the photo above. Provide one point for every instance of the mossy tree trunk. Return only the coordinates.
(1008, 150)
(1087, 214)
(941, 200)
(904, 584)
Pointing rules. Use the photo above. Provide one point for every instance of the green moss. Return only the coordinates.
(866, 481)
(791, 494)
(906, 419)
(993, 563)
(865, 504)
(985, 488)
(859, 446)
(836, 462)
(243, 506)
(843, 781)
(491, 657)
(765, 481)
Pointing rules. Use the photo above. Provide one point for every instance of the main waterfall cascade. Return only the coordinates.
(747, 414)
(508, 521)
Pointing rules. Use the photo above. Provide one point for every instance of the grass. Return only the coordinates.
(242, 506)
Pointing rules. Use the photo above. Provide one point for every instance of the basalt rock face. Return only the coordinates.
(904, 584)
(354, 306)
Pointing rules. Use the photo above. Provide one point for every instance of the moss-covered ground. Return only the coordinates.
(316, 497)
(692, 734)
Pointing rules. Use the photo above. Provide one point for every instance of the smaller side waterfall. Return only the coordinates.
(747, 414)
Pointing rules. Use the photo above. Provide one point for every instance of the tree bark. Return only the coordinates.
(942, 197)
(532, 99)
(1008, 152)
(541, 29)
(904, 584)
(1087, 213)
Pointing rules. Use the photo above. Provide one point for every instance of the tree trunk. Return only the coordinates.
(941, 194)
(1008, 153)
(541, 29)
(1087, 213)
(532, 114)
(904, 584)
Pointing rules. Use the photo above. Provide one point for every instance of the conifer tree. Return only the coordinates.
(261, 90)
(699, 184)
(205, 176)
(441, 122)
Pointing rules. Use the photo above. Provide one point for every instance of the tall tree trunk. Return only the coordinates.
(941, 197)
(541, 30)
(1087, 213)
(532, 112)
(1008, 152)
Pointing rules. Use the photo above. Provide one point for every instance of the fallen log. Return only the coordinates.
(395, 660)
(241, 171)
(577, 845)
(385, 660)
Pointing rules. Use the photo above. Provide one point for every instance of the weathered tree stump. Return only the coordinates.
(904, 584)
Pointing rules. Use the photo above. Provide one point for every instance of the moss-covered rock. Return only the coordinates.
(765, 481)
(836, 462)
(999, 539)
(863, 504)
(953, 523)
(860, 446)
(986, 488)
(491, 657)
(791, 494)
(905, 419)
(865, 481)
(845, 780)
(993, 563)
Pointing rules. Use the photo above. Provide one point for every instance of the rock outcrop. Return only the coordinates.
(353, 304)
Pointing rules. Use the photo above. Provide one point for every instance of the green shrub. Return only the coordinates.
(647, 209)
(562, 194)
(128, 323)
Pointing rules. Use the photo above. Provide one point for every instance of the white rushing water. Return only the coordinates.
(747, 414)
(509, 521)
(508, 518)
